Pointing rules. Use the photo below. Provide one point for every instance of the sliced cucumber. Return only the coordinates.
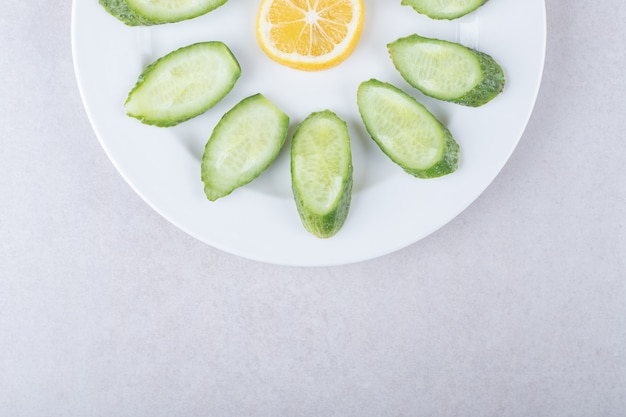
(120, 10)
(406, 131)
(151, 12)
(243, 144)
(444, 9)
(183, 84)
(321, 172)
(446, 70)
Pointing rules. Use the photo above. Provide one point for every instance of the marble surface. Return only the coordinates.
(515, 308)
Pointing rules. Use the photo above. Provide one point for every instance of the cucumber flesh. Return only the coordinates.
(406, 131)
(183, 84)
(321, 172)
(444, 9)
(243, 144)
(447, 70)
(150, 12)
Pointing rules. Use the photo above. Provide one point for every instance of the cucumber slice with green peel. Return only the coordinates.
(151, 12)
(183, 84)
(321, 172)
(120, 10)
(406, 131)
(244, 143)
(444, 9)
(447, 70)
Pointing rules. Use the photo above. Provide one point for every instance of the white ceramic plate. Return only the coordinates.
(390, 209)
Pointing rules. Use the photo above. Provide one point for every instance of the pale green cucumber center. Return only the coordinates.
(403, 128)
(183, 82)
(172, 9)
(445, 8)
(445, 70)
(244, 143)
(321, 160)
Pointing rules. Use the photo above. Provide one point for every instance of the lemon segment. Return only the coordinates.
(309, 35)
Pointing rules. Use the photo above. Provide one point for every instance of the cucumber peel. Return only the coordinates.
(243, 144)
(444, 9)
(406, 131)
(183, 84)
(321, 172)
(147, 13)
(447, 70)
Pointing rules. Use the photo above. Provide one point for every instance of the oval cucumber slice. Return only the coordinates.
(446, 70)
(444, 9)
(183, 84)
(243, 144)
(150, 12)
(321, 172)
(406, 131)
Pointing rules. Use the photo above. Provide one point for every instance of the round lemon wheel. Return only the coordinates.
(309, 35)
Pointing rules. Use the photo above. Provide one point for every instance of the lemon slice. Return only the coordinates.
(309, 35)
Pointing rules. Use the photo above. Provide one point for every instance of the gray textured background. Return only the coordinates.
(515, 308)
